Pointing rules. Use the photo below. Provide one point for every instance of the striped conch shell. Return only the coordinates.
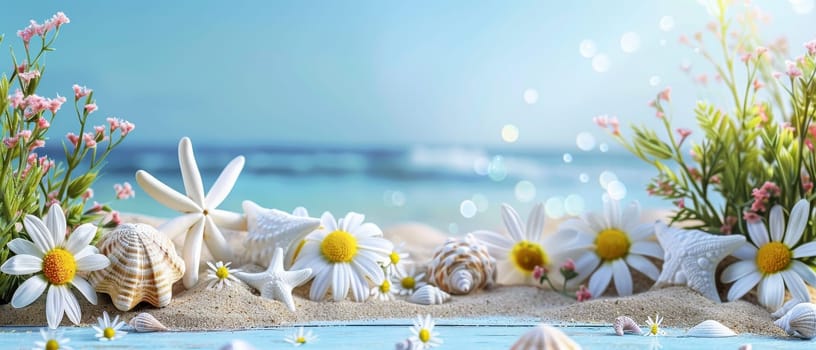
(624, 324)
(143, 267)
(800, 321)
(461, 266)
(544, 337)
(145, 322)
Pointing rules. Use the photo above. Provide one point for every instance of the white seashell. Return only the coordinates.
(145, 322)
(544, 337)
(786, 307)
(624, 324)
(461, 266)
(429, 295)
(710, 329)
(745, 347)
(406, 344)
(237, 345)
(143, 267)
(268, 229)
(800, 321)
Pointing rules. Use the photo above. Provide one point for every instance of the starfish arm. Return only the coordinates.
(174, 227)
(224, 184)
(189, 171)
(229, 220)
(215, 241)
(276, 265)
(192, 253)
(164, 194)
(298, 277)
(280, 291)
(255, 280)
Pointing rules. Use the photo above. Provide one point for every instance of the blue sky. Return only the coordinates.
(372, 72)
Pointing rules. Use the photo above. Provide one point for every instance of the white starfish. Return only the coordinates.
(277, 283)
(201, 219)
(271, 228)
(692, 256)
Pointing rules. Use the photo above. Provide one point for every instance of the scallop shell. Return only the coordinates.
(406, 344)
(461, 266)
(624, 324)
(544, 337)
(145, 322)
(144, 265)
(710, 329)
(429, 295)
(800, 321)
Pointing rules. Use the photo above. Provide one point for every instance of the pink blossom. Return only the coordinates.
(90, 108)
(568, 265)
(37, 28)
(680, 203)
(96, 207)
(26, 34)
(811, 47)
(760, 50)
(46, 164)
(583, 294)
(124, 191)
(43, 123)
(684, 133)
(745, 58)
(665, 94)
(88, 194)
(55, 104)
(32, 158)
(35, 104)
(715, 179)
(751, 217)
(539, 272)
(10, 142)
(807, 185)
(59, 19)
(90, 140)
(126, 127)
(601, 120)
(22, 67)
(52, 195)
(36, 144)
(652, 103)
(683, 40)
(80, 91)
(793, 71)
(758, 85)
(17, 99)
(73, 138)
(27, 76)
(728, 226)
(660, 114)
(702, 79)
(115, 219)
(24, 134)
(114, 123)
(776, 75)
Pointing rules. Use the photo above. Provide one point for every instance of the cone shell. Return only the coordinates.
(544, 337)
(429, 295)
(144, 265)
(461, 266)
(145, 322)
(710, 329)
(800, 321)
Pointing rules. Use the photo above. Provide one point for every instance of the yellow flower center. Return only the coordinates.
(297, 250)
(424, 335)
(339, 247)
(108, 333)
(301, 340)
(385, 287)
(773, 257)
(408, 282)
(612, 244)
(654, 329)
(59, 266)
(222, 272)
(394, 258)
(51, 344)
(527, 255)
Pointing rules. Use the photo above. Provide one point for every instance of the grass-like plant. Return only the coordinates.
(29, 181)
(756, 151)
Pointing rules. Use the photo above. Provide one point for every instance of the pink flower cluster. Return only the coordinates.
(728, 225)
(605, 121)
(34, 28)
(583, 294)
(763, 195)
(123, 125)
(34, 104)
(80, 91)
(43, 162)
(124, 191)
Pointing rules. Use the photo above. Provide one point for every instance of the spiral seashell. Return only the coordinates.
(544, 337)
(429, 295)
(143, 267)
(625, 324)
(145, 322)
(461, 266)
(800, 321)
(710, 329)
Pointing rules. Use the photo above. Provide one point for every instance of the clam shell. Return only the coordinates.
(143, 267)
(800, 321)
(624, 324)
(544, 337)
(145, 322)
(710, 329)
(429, 295)
(461, 266)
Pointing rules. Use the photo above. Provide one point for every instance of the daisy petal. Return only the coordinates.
(69, 303)
(20, 246)
(29, 291)
(55, 223)
(359, 287)
(38, 233)
(22, 265)
(351, 222)
(493, 240)
(575, 225)
(771, 291)
(758, 232)
(805, 272)
(320, 285)
(535, 223)
(738, 270)
(341, 276)
(805, 250)
(328, 222)
(743, 285)
(776, 223)
(643, 265)
(93, 262)
(795, 285)
(513, 223)
(647, 248)
(224, 183)
(796, 222)
(54, 307)
(600, 280)
(80, 238)
(622, 277)
(368, 230)
(641, 232)
(584, 266)
(745, 252)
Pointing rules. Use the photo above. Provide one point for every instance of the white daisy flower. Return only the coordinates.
(609, 244)
(518, 255)
(653, 326)
(220, 274)
(343, 256)
(407, 282)
(772, 260)
(107, 329)
(57, 260)
(423, 334)
(300, 337)
(397, 260)
(52, 340)
(383, 292)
